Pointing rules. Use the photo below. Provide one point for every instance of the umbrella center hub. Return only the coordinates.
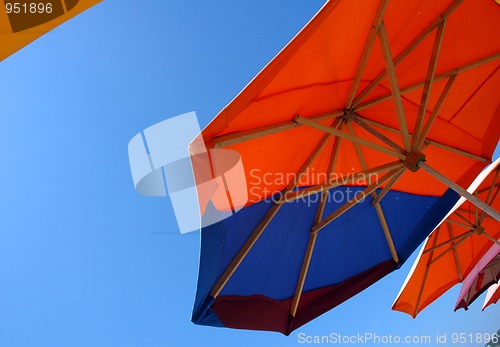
(413, 159)
(478, 230)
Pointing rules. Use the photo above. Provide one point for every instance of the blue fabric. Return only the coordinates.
(353, 243)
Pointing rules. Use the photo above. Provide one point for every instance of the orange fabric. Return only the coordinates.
(12, 38)
(425, 286)
(313, 75)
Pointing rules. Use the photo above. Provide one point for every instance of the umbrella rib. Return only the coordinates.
(408, 49)
(247, 135)
(439, 77)
(443, 179)
(393, 81)
(426, 275)
(447, 242)
(489, 198)
(456, 151)
(356, 119)
(417, 131)
(365, 54)
(292, 196)
(250, 242)
(388, 187)
(427, 141)
(491, 238)
(493, 274)
(324, 128)
(313, 237)
(453, 246)
(465, 219)
(466, 226)
(435, 111)
(351, 203)
(378, 208)
(450, 249)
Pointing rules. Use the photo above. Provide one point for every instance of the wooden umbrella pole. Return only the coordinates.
(438, 77)
(408, 49)
(393, 81)
(250, 242)
(319, 126)
(490, 198)
(313, 237)
(474, 200)
(417, 130)
(365, 54)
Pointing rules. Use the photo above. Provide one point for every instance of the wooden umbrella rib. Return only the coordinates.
(378, 208)
(303, 274)
(438, 77)
(435, 111)
(427, 141)
(417, 131)
(351, 203)
(250, 242)
(490, 198)
(466, 226)
(388, 187)
(393, 81)
(447, 242)
(313, 237)
(465, 219)
(319, 126)
(408, 49)
(365, 54)
(443, 179)
(292, 196)
(357, 119)
(491, 238)
(455, 254)
(462, 240)
(387, 233)
(426, 275)
(247, 135)
(456, 151)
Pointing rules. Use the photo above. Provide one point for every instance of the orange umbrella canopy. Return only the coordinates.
(22, 21)
(454, 248)
(406, 68)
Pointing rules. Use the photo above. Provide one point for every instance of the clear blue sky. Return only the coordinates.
(84, 260)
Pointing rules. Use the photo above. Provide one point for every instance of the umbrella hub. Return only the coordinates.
(413, 159)
(479, 230)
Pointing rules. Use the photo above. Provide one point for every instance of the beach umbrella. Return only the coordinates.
(22, 21)
(356, 140)
(485, 274)
(492, 295)
(455, 249)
